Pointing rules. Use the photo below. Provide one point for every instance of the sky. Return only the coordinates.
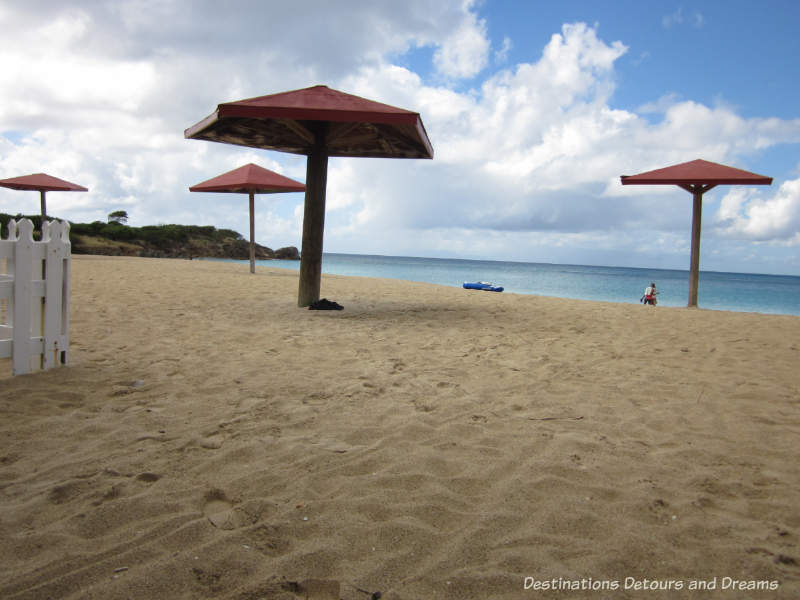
(534, 110)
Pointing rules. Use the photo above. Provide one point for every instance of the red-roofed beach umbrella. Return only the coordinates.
(318, 122)
(696, 177)
(250, 179)
(41, 183)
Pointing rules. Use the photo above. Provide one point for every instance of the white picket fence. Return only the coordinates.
(34, 296)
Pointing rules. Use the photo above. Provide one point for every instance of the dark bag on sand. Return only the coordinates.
(325, 304)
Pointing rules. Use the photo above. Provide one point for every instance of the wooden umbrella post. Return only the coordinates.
(254, 180)
(697, 192)
(319, 122)
(696, 177)
(252, 234)
(694, 261)
(313, 221)
(42, 183)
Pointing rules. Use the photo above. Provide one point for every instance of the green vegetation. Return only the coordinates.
(161, 236)
(4, 219)
(157, 235)
(120, 216)
(161, 241)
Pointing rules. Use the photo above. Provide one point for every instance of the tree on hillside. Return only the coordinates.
(118, 216)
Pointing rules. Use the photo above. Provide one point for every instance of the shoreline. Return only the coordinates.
(664, 302)
(211, 439)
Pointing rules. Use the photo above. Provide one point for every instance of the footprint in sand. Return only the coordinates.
(65, 492)
(9, 459)
(311, 589)
(220, 511)
(270, 540)
(211, 442)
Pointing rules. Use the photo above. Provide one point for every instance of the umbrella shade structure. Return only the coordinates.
(318, 122)
(696, 177)
(41, 183)
(250, 179)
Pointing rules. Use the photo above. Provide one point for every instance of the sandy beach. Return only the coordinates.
(211, 440)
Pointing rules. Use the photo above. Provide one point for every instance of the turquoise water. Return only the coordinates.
(779, 294)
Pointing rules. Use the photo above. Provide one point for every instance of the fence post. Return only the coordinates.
(23, 291)
(55, 237)
(34, 295)
(7, 290)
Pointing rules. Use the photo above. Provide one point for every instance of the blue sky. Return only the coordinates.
(534, 110)
(732, 51)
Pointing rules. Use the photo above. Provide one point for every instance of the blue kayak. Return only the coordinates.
(482, 285)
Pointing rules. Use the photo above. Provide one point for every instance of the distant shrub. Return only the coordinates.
(36, 219)
(119, 232)
(120, 216)
(4, 219)
(94, 228)
(224, 234)
(161, 236)
(111, 231)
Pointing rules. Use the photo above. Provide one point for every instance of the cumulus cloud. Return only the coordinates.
(465, 51)
(527, 159)
(519, 138)
(540, 149)
(100, 93)
(662, 105)
(746, 214)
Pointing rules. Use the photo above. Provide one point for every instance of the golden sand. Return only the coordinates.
(211, 440)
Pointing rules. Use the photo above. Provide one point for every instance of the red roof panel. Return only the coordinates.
(249, 178)
(697, 172)
(288, 122)
(41, 182)
(318, 103)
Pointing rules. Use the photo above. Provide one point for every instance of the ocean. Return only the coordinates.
(743, 292)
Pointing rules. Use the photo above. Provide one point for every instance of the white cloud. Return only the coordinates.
(747, 214)
(45, 82)
(501, 55)
(465, 51)
(662, 105)
(527, 161)
(676, 18)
